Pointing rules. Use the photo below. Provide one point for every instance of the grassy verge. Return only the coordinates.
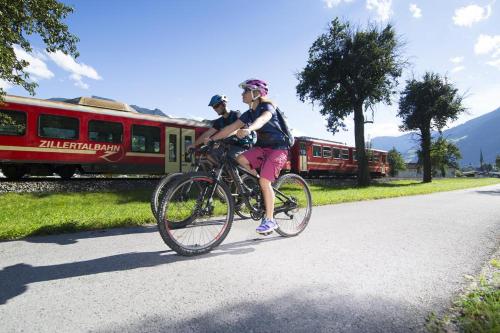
(29, 214)
(476, 311)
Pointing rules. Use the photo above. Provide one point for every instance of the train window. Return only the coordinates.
(58, 127)
(303, 151)
(188, 140)
(354, 155)
(336, 153)
(345, 154)
(375, 157)
(12, 123)
(105, 131)
(327, 152)
(145, 139)
(316, 151)
(172, 148)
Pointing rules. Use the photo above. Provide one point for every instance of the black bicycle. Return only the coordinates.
(206, 201)
(199, 162)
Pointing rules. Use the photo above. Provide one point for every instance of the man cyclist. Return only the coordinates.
(227, 117)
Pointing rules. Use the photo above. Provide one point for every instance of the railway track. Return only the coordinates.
(39, 185)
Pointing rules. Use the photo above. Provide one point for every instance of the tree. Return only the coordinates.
(426, 105)
(396, 162)
(497, 162)
(22, 18)
(347, 70)
(444, 154)
(481, 159)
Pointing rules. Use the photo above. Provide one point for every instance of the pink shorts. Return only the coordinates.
(270, 161)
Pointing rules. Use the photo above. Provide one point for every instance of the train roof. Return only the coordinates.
(316, 140)
(308, 138)
(101, 106)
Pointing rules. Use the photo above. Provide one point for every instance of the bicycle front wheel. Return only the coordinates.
(293, 205)
(208, 206)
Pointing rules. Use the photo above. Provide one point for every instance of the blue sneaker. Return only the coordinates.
(266, 226)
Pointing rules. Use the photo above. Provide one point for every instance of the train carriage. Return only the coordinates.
(40, 137)
(313, 157)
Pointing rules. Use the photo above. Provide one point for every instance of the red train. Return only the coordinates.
(312, 157)
(41, 137)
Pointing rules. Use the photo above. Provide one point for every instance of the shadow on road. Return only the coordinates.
(494, 192)
(303, 310)
(72, 238)
(15, 279)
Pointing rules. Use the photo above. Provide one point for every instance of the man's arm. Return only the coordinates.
(228, 130)
(208, 133)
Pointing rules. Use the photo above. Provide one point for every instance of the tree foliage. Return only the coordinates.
(497, 162)
(444, 154)
(396, 162)
(20, 19)
(347, 70)
(426, 105)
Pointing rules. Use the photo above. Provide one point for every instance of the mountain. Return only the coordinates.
(139, 109)
(156, 112)
(481, 133)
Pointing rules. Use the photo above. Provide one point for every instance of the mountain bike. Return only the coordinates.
(205, 199)
(199, 162)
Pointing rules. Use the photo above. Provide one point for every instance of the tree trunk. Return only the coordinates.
(426, 154)
(359, 135)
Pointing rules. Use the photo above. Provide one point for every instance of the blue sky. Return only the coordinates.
(175, 54)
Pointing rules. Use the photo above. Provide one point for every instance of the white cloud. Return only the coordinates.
(457, 60)
(78, 71)
(466, 16)
(382, 7)
(458, 69)
(494, 63)
(5, 85)
(488, 44)
(382, 129)
(37, 68)
(334, 3)
(78, 81)
(415, 11)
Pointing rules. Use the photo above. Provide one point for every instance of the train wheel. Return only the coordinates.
(14, 172)
(66, 172)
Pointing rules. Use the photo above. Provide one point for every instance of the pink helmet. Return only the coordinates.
(255, 84)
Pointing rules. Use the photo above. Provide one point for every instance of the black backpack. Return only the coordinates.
(284, 127)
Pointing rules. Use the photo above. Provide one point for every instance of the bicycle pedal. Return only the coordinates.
(265, 233)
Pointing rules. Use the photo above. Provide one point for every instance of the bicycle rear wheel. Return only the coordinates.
(160, 190)
(293, 208)
(210, 216)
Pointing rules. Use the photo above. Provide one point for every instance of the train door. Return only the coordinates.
(303, 157)
(172, 149)
(187, 139)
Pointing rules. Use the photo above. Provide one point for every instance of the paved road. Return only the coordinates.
(376, 266)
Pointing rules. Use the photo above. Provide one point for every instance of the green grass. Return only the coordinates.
(476, 311)
(324, 195)
(24, 215)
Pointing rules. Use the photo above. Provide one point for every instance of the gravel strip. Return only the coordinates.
(76, 185)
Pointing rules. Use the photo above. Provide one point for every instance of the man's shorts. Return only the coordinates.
(270, 161)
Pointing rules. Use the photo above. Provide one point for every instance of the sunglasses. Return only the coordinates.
(217, 105)
(246, 90)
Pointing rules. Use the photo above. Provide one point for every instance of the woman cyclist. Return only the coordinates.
(271, 150)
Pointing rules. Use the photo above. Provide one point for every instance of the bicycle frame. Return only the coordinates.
(233, 169)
